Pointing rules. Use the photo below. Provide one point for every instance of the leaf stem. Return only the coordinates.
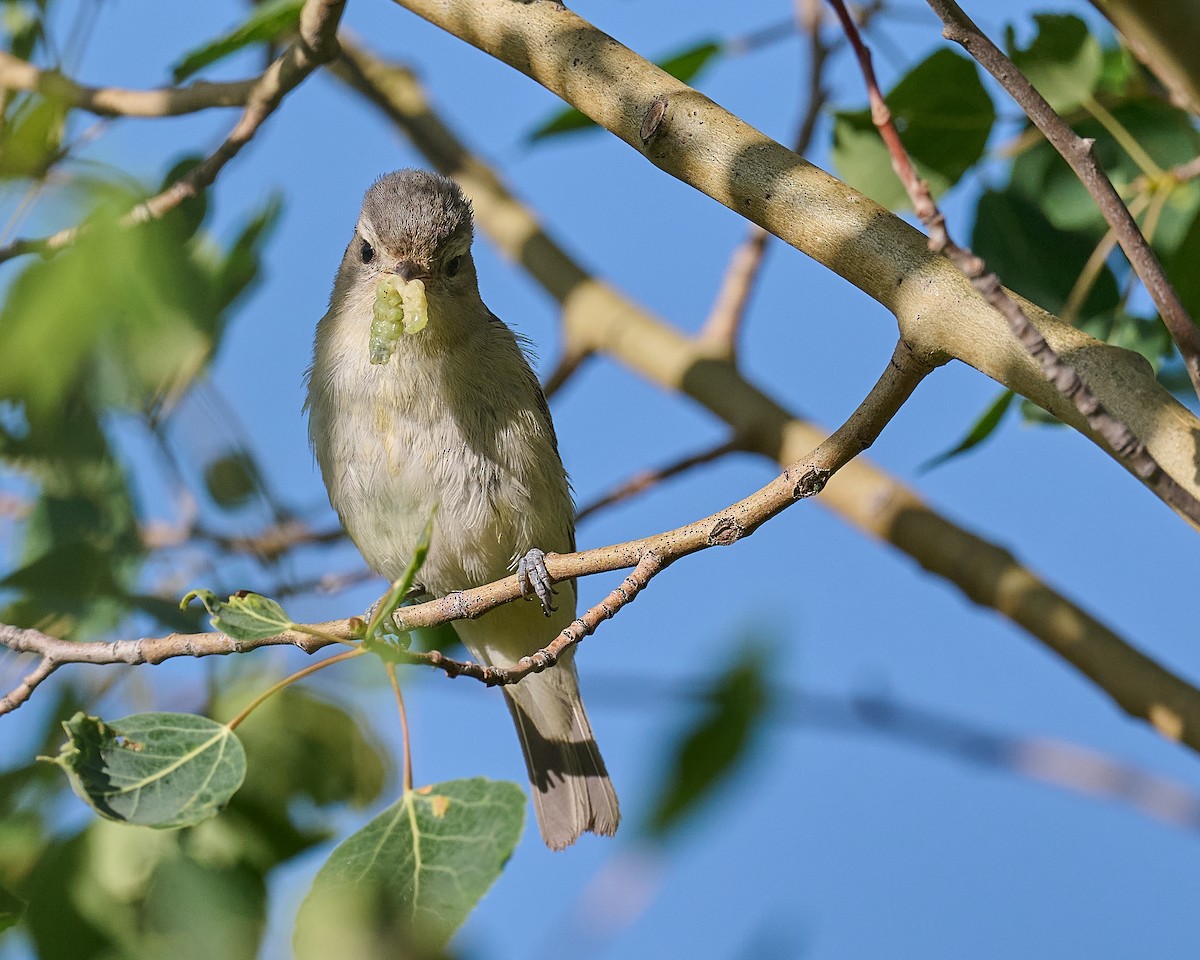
(288, 681)
(1123, 137)
(407, 775)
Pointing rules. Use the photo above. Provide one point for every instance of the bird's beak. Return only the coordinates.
(411, 270)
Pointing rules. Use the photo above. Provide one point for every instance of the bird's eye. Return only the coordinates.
(367, 252)
(452, 266)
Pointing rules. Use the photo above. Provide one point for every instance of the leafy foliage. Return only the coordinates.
(267, 22)
(406, 881)
(944, 115)
(707, 751)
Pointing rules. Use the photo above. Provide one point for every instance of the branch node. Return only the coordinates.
(725, 531)
(653, 119)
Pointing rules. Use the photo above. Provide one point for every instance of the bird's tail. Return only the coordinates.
(572, 793)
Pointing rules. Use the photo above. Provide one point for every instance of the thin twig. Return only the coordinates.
(724, 321)
(643, 481)
(316, 44)
(407, 776)
(1079, 152)
(1066, 380)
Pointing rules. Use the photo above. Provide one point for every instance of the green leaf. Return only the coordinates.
(400, 588)
(244, 616)
(241, 265)
(983, 428)
(684, 65)
(404, 883)
(266, 22)
(1064, 61)
(117, 318)
(232, 479)
(944, 116)
(1034, 257)
(153, 769)
(11, 908)
(1182, 268)
(707, 752)
(31, 139)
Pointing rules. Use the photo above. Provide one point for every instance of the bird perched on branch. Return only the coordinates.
(411, 412)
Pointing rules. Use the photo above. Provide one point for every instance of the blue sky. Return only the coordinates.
(825, 845)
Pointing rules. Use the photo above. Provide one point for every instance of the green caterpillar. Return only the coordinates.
(400, 308)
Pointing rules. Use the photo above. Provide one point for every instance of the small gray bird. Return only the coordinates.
(455, 420)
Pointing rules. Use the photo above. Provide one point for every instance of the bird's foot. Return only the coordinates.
(535, 579)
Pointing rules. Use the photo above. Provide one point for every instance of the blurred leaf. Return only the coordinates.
(1064, 61)
(191, 212)
(266, 22)
(197, 911)
(1183, 268)
(1164, 132)
(241, 266)
(706, 753)
(944, 116)
(232, 479)
(1035, 258)
(684, 65)
(30, 139)
(25, 26)
(308, 747)
(153, 769)
(11, 909)
(404, 883)
(116, 314)
(983, 428)
(115, 892)
(244, 616)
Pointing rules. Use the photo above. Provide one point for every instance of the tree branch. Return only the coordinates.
(938, 312)
(647, 555)
(1070, 384)
(599, 319)
(1080, 155)
(17, 74)
(316, 44)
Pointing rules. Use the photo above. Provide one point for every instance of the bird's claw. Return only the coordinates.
(535, 579)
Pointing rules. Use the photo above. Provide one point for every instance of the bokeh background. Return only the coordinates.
(836, 833)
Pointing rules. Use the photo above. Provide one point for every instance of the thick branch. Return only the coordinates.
(17, 74)
(936, 308)
(599, 319)
(1080, 155)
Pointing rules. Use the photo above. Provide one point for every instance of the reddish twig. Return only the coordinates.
(1119, 438)
(1079, 152)
(720, 329)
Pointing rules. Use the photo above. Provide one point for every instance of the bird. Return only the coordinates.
(454, 420)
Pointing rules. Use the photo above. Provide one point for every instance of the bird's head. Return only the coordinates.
(415, 225)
